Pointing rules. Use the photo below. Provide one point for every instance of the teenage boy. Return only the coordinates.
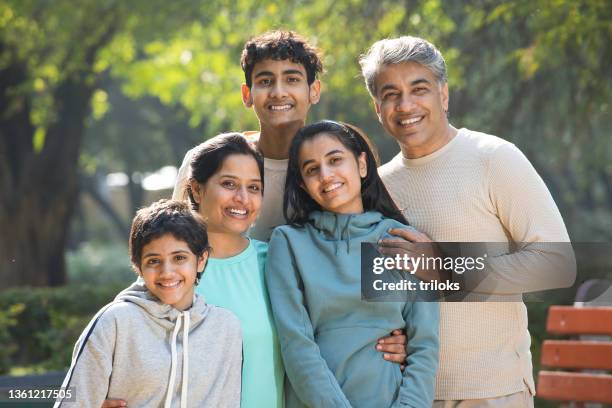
(457, 185)
(158, 344)
(280, 72)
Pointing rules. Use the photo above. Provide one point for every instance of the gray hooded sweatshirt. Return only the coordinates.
(153, 355)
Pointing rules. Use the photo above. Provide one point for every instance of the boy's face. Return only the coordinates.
(280, 93)
(169, 269)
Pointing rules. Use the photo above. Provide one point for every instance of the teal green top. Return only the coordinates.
(328, 333)
(237, 284)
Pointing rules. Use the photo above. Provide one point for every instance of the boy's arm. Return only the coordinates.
(307, 371)
(182, 178)
(91, 366)
(422, 328)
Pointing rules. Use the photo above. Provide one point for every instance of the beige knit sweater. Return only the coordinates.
(480, 188)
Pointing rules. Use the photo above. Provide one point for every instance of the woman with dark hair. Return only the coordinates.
(334, 200)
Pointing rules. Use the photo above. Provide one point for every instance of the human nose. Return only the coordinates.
(405, 103)
(325, 172)
(278, 90)
(242, 195)
(166, 269)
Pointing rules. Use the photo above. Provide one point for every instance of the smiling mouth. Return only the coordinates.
(240, 213)
(332, 187)
(280, 108)
(410, 121)
(169, 285)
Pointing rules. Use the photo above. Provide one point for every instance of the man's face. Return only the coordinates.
(411, 105)
(280, 94)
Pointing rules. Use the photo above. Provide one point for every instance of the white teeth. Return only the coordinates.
(237, 211)
(280, 107)
(332, 187)
(169, 284)
(411, 120)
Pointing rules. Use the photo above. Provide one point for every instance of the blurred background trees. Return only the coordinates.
(95, 88)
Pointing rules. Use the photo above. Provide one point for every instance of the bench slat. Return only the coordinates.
(577, 354)
(582, 320)
(560, 386)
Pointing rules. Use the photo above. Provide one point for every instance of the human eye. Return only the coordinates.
(335, 160)
(312, 170)
(293, 79)
(265, 82)
(389, 95)
(152, 261)
(255, 188)
(420, 90)
(229, 184)
(180, 258)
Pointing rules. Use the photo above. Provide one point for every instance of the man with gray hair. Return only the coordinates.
(458, 185)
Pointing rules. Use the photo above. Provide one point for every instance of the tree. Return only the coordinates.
(51, 58)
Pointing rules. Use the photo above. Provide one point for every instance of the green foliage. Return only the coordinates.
(95, 264)
(8, 319)
(46, 322)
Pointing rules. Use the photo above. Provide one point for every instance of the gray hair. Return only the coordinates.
(398, 50)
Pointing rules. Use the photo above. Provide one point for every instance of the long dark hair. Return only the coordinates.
(208, 158)
(297, 203)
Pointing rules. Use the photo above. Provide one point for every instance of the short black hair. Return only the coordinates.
(297, 203)
(208, 158)
(167, 217)
(281, 45)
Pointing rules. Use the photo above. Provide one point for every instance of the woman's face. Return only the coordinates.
(230, 200)
(332, 175)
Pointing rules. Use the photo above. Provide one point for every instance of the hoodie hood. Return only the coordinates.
(345, 227)
(165, 315)
(171, 319)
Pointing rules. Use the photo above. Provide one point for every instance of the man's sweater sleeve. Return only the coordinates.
(307, 371)
(543, 257)
(92, 363)
(422, 331)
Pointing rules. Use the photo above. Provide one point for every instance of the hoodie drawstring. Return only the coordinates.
(185, 375)
(185, 360)
(173, 365)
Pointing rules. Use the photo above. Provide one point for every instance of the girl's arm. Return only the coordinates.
(422, 328)
(92, 361)
(307, 371)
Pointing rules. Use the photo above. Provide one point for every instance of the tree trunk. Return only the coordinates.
(39, 189)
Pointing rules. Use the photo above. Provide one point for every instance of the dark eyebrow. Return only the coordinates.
(413, 83)
(293, 72)
(420, 81)
(285, 72)
(331, 152)
(237, 178)
(180, 251)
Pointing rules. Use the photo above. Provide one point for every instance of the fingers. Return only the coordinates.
(114, 403)
(393, 346)
(402, 367)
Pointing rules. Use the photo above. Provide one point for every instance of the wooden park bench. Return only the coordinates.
(584, 364)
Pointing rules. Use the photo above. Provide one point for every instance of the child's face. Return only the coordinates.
(169, 269)
(231, 199)
(332, 175)
(280, 93)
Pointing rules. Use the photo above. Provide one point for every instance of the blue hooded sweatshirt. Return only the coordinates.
(328, 334)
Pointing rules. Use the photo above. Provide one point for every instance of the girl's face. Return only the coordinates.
(332, 175)
(169, 270)
(230, 200)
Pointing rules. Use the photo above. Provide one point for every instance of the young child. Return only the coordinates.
(159, 344)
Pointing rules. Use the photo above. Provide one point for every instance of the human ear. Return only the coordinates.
(444, 96)
(377, 109)
(247, 97)
(315, 92)
(195, 191)
(362, 163)
(202, 261)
